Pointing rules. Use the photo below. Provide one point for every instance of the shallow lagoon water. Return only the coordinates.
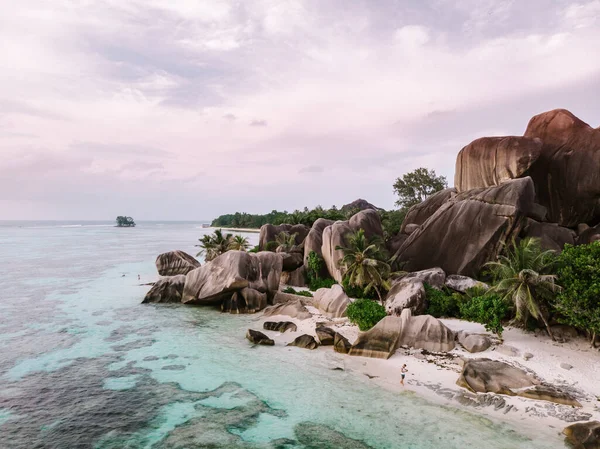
(85, 365)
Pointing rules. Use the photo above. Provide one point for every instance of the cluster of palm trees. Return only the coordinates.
(213, 245)
(365, 263)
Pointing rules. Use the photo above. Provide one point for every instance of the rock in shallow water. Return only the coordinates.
(166, 290)
(175, 262)
(258, 338)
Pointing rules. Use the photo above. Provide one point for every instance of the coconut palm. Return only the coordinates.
(364, 265)
(285, 241)
(214, 245)
(522, 277)
(239, 243)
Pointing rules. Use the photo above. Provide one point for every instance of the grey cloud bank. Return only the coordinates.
(110, 106)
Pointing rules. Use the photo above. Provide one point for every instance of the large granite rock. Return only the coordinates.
(406, 294)
(331, 302)
(341, 344)
(232, 272)
(305, 341)
(589, 235)
(435, 277)
(419, 213)
(169, 289)
(292, 309)
(583, 435)
(247, 300)
(490, 161)
(314, 240)
(463, 283)
(175, 262)
(492, 376)
(567, 173)
(296, 278)
(335, 235)
(258, 338)
(357, 205)
(552, 236)
(326, 335)
(474, 342)
(469, 229)
(292, 260)
(268, 233)
(420, 332)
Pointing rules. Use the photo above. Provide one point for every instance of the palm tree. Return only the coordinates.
(214, 245)
(239, 243)
(285, 241)
(364, 265)
(522, 278)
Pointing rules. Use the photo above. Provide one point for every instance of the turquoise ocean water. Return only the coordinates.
(84, 365)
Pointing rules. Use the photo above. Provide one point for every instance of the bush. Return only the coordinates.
(271, 246)
(365, 313)
(298, 292)
(354, 291)
(316, 284)
(578, 303)
(254, 250)
(442, 303)
(315, 265)
(488, 309)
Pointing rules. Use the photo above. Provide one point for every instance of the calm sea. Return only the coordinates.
(84, 365)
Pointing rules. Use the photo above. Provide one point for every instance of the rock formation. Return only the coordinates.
(406, 294)
(295, 278)
(552, 236)
(474, 342)
(341, 344)
(357, 205)
(585, 435)
(492, 376)
(246, 300)
(567, 173)
(490, 161)
(314, 240)
(293, 309)
(331, 302)
(469, 229)
(419, 213)
(463, 283)
(280, 326)
(305, 341)
(268, 233)
(175, 262)
(419, 332)
(335, 235)
(168, 289)
(435, 277)
(232, 272)
(325, 335)
(258, 338)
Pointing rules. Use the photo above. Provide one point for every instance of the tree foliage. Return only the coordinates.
(285, 241)
(365, 313)
(364, 263)
(522, 278)
(305, 216)
(486, 308)
(416, 186)
(442, 303)
(578, 304)
(213, 245)
(125, 222)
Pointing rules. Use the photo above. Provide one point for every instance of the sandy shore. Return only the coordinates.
(434, 376)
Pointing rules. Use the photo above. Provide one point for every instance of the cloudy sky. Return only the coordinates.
(166, 109)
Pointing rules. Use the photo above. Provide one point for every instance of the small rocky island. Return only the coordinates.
(518, 203)
(124, 222)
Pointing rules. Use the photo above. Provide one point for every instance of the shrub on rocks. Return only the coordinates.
(365, 313)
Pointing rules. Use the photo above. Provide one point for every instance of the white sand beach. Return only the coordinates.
(434, 376)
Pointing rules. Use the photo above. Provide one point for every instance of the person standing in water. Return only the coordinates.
(403, 372)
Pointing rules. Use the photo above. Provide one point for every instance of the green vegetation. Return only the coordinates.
(298, 292)
(306, 217)
(578, 304)
(442, 303)
(125, 222)
(416, 186)
(488, 309)
(314, 270)
(216, 244)
(364, 264)
(365, 313)
(522, 278)
(285, 241)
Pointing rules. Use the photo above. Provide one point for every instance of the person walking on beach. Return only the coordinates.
(403, 372)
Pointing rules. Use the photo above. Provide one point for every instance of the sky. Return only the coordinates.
(184, 110)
